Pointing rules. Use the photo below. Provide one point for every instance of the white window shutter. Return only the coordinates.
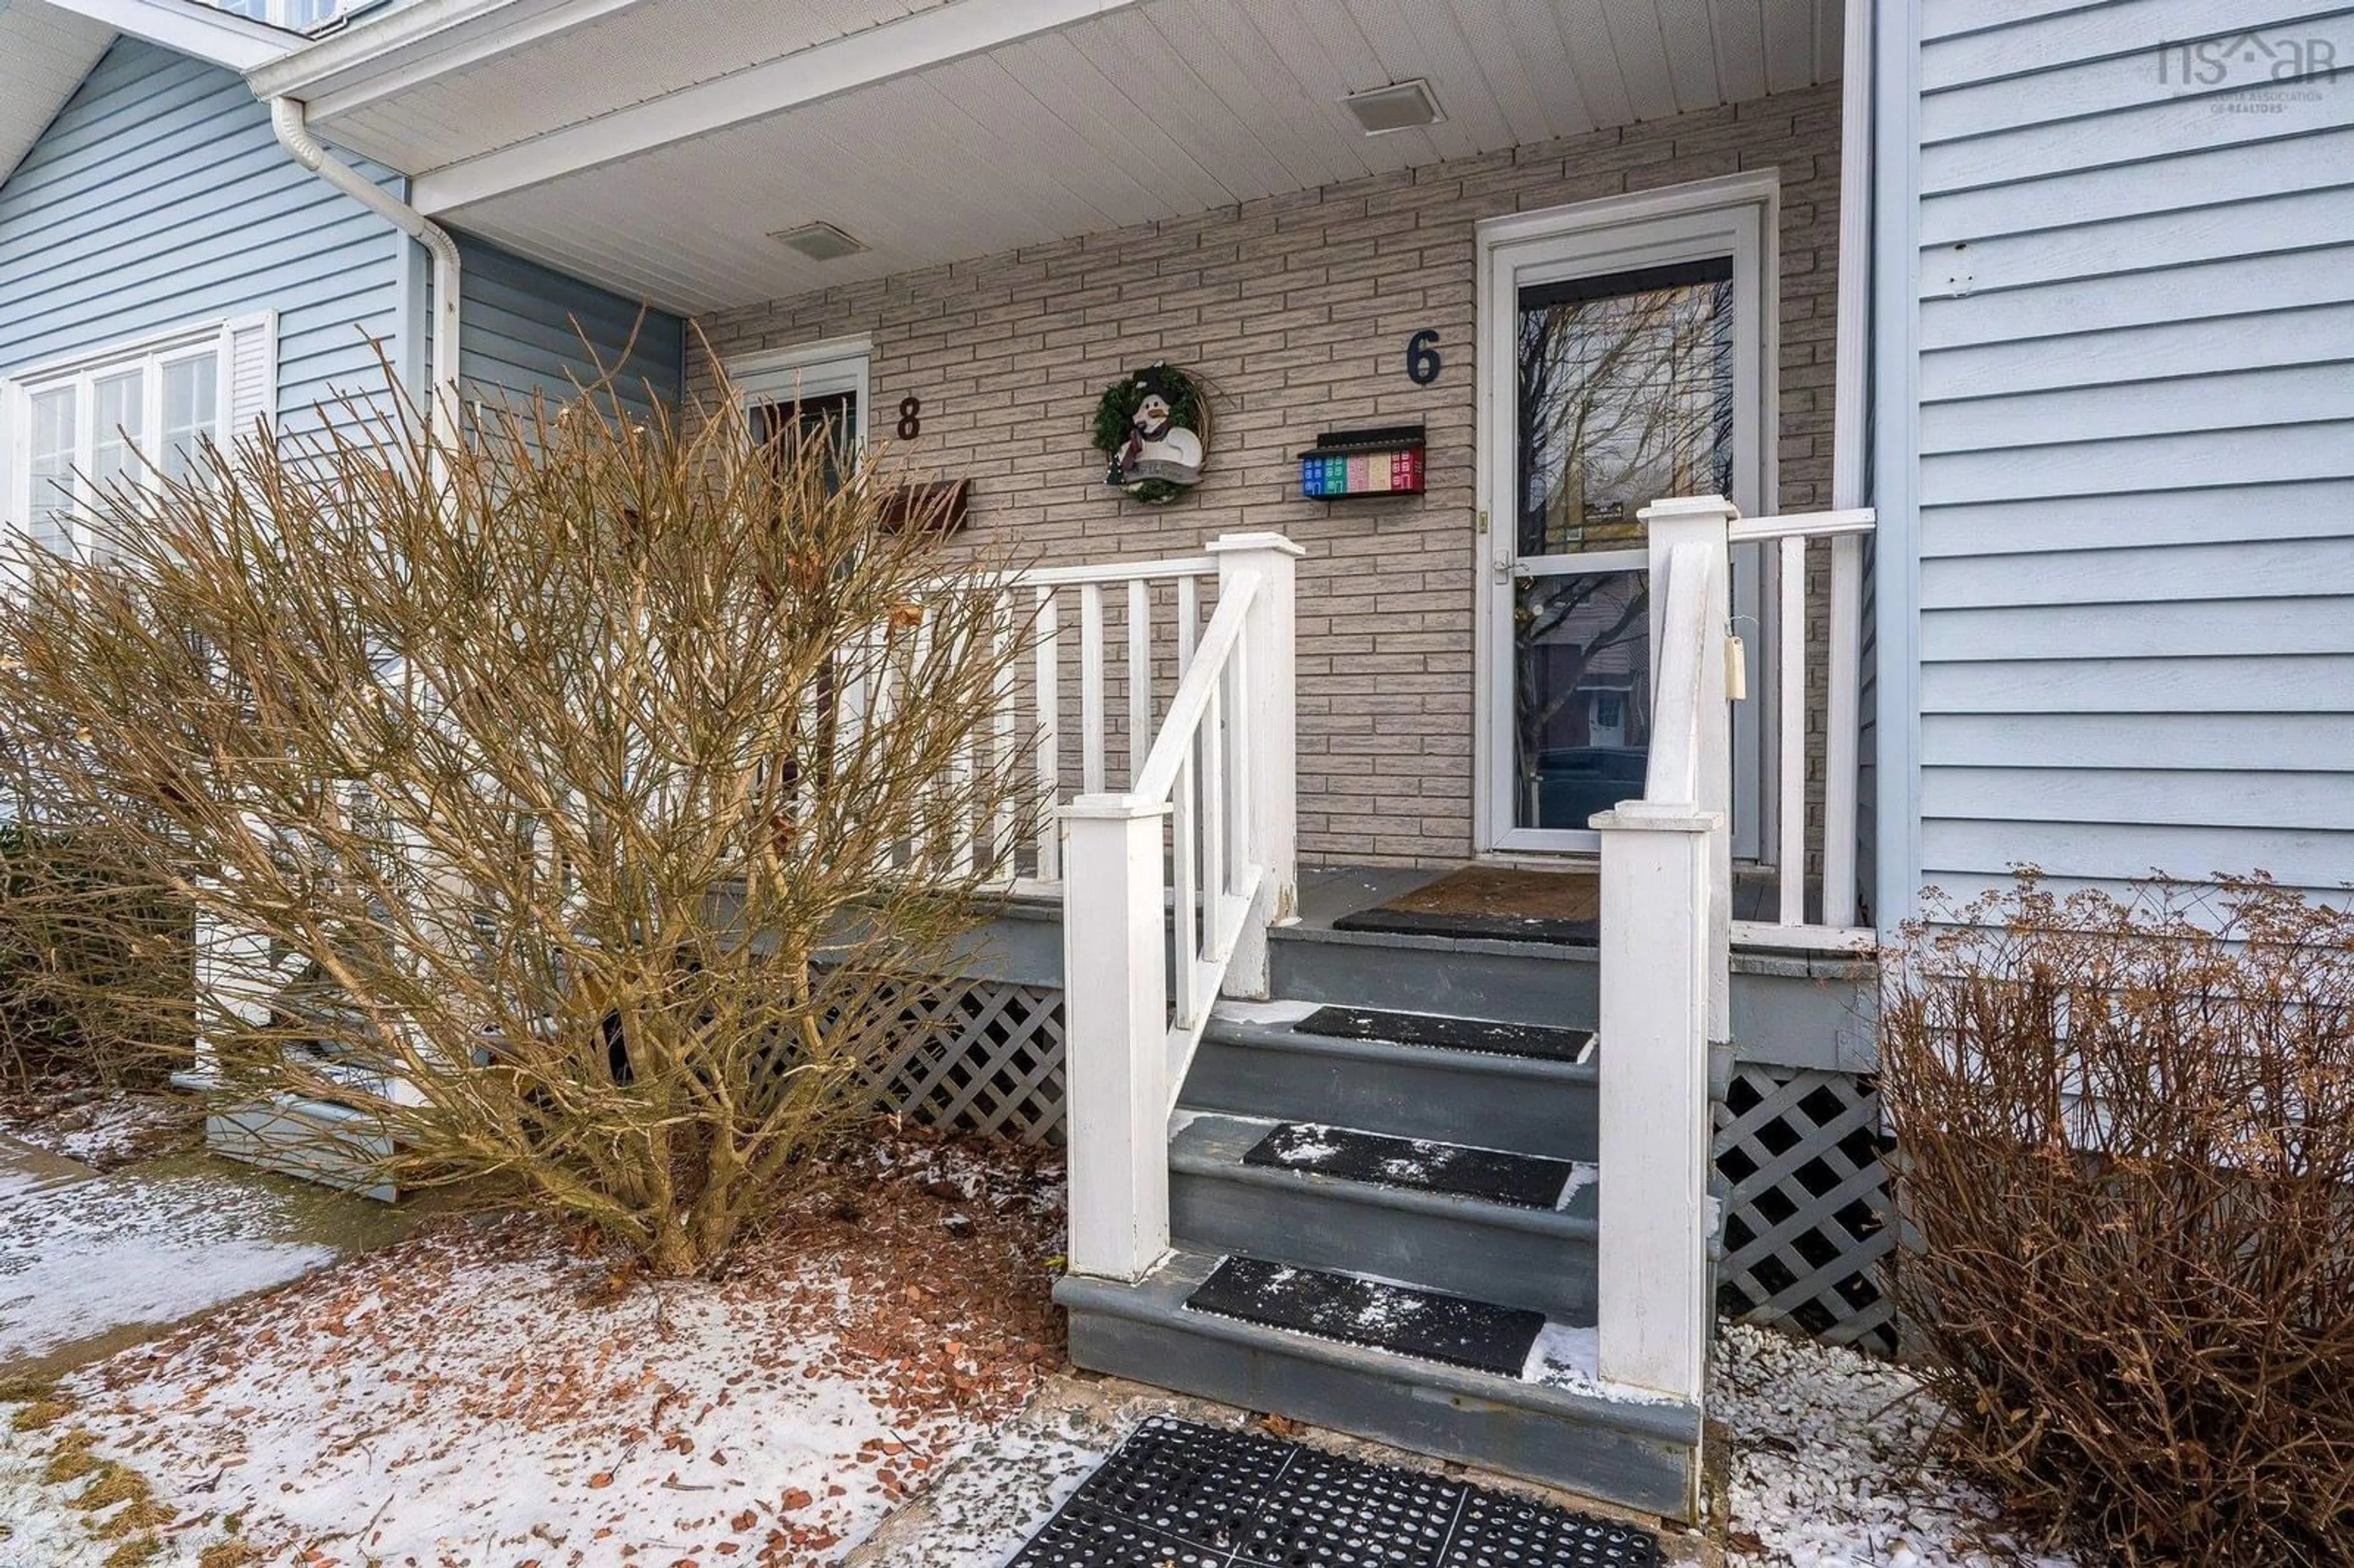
(252, 372)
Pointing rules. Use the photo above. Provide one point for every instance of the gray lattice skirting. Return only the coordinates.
(1799, 1153)
(1804, 1238)
(981, 1056)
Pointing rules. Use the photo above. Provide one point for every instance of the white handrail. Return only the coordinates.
(1209, 807)
(1157, 778)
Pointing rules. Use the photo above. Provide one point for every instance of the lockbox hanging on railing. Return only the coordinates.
(1345, 465)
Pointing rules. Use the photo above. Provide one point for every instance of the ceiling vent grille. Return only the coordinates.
(1401, 106)
(820, 242)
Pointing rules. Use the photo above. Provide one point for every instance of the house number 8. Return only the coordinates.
(1422, 360)
(911, 424)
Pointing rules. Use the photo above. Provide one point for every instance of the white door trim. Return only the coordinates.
(1737, 215)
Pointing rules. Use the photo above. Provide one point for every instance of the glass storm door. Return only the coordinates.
(1630, 358)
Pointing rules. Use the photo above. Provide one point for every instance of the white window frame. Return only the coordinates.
(150, 356)
(806, 370)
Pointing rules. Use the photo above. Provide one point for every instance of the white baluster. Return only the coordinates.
(1139, 674)
(1091, 689)
(1790, 729)
(1048, 740)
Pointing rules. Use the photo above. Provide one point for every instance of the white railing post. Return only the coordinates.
(1269, 714)
(1651, 1307)
(1705, 519)
(1116, 1061)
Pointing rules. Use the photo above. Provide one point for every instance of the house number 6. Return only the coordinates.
(911, 423)
(1422, 360)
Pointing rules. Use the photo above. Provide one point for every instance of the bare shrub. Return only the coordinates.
(2126, 1139)
(94, 965)
(579, 805)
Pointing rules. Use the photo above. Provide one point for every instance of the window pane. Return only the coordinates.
(1581, 695)
(53, 460)
(114, 426)
(191, 411)
(1625, 396)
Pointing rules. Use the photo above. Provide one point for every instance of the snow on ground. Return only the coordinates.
(495, 1393)
(101, 1128)
(1827, 1470)
(80, 1260)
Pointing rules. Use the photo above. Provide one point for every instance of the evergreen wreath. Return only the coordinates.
(1189, 405)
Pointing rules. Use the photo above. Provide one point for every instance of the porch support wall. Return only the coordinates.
(1298, 310)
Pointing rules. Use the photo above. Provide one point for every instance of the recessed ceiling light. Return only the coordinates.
(1401, 106)
(819, 241)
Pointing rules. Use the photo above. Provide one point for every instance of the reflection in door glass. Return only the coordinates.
(1582, 694)
(1625, 396)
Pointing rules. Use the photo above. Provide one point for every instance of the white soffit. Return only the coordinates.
(44, 53)
(1157, 109)
(192, 27)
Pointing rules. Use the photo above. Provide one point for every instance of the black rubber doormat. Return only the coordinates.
(1180, 1495)
(1492, 1036)
(1396, 1318)
(1523, 1181)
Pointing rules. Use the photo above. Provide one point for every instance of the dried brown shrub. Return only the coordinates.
(2126, 1139)
(579, 805)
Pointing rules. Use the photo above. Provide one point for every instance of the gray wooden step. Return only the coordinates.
(1252, 1063)
(1519, 982)
(1641, 1455)
(1541, 1260)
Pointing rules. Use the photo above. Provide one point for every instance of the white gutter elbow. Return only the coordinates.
(288, 121)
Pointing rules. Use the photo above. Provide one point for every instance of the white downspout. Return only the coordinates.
(1850, 428)
(288, 120)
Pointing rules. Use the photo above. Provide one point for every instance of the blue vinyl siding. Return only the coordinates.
(158, 197)
(527, 329)
(2126, 535)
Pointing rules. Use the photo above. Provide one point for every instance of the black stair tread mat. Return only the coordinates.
(1485, 928)
(1177, 1494)
(1522, 1181)
(1399, 1319)
(1546, 1042)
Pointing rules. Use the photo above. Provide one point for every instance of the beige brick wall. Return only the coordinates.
(1297, 309)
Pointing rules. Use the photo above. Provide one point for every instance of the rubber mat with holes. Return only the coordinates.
(1523, 1181)
(1181, 1494)
(1398, 1319)
(1484, 1034)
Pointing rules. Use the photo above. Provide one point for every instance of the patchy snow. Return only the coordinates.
(489, 1395)
(1568, 1356)
(82, 1260)
(1271, 1013)
(1581, 1176)
(1827, 1466)
(105, 1128)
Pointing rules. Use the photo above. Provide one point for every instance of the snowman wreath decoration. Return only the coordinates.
(1152, 426)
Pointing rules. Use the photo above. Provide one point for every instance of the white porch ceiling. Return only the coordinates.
(1159, 109)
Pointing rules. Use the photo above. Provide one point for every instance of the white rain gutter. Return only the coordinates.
(288, 119)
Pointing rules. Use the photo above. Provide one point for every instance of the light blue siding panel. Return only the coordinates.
(2228, 400)
(2160, 580)
(2216, 684)
(2252, 340)
(1995, 529)
(2313, 625)
(2131, 539)
(2233, 744)
(529, 330)
(2000, 38)
(2161, 130)
(2210, 289)
(2139, 74)
(1982, 850)
(2206, 179)
(158, 197)
(2150, 794)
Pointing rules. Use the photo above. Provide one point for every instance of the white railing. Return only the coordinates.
(1143, 616)
(1667, 930)
(1800, 845)
(1169, 889)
